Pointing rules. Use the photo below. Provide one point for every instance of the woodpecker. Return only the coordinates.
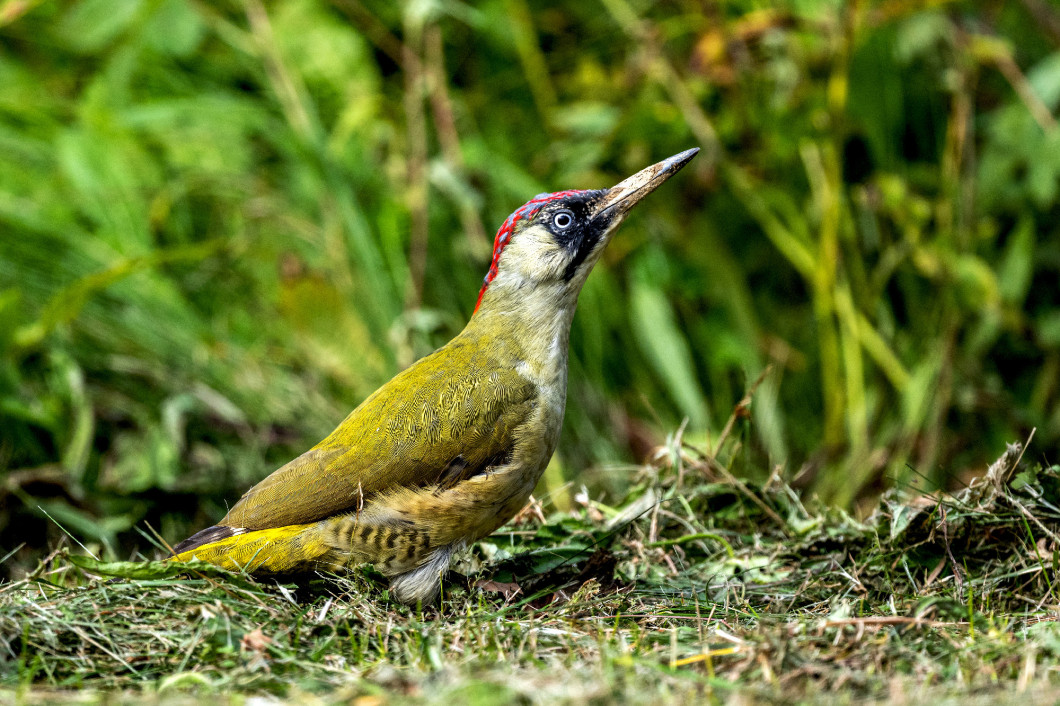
(451, 448)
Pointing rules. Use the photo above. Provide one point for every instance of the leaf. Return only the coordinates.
(1044, 78)
(542, 561)
(509, 589)
(977, 285)
(255, 641)
(1024, 478)
(92, 24)
(174, 28)
(1017, 264)
(142, 570)
(588, 119)
(666, 348)
(901, 517)
(1048, 326)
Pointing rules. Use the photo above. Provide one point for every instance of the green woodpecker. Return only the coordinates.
(451, 448)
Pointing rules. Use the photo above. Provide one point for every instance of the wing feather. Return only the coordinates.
(452, 407)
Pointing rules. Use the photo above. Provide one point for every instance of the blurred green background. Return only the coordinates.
(222, 224)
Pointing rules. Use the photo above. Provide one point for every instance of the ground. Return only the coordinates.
(698, 586)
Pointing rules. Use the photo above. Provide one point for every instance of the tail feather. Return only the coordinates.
(279, 550)
(207, 536)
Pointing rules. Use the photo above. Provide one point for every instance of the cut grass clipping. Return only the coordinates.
(697, 583)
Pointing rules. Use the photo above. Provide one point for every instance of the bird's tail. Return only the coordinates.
(410, 556)
(280, 550)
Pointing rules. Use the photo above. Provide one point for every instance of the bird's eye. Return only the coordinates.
(563, 219)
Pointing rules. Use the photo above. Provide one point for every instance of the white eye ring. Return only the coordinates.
(563, 219)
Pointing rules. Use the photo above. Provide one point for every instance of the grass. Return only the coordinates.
(697, 586)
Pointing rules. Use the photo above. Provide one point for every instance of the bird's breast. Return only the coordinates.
(548, 373)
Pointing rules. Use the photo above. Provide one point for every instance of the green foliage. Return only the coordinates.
(224, 224)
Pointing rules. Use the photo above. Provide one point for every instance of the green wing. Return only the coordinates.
(452, 415)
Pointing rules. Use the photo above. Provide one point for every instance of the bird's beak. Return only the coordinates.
(620, 198)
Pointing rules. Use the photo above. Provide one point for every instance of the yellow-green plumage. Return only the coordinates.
(452, 447)
(422, 465)
(280, 550)
(458, 402)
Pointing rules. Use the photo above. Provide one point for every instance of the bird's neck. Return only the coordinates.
(536, 324)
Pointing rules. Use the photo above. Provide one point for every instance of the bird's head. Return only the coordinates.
(553, 240)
